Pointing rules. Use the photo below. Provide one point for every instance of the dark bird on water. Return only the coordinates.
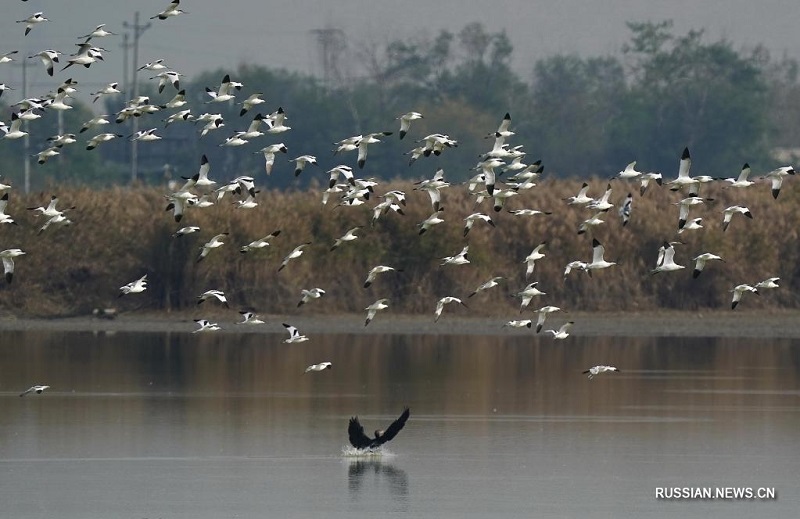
(359, 440)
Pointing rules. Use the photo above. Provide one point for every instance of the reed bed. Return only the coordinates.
(119, 234)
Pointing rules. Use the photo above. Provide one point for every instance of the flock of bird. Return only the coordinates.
(500, 175)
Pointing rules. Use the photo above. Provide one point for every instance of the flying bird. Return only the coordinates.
(596, 370)
(359, 440)
(322, 366)
(134, 287)
(172, 9)
(34, 389)
(8, 256)
(563, 332)
(380, 304)
(32, 20)
(294, 334)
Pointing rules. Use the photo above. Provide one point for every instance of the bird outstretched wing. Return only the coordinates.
(355, 431)
(393, 429)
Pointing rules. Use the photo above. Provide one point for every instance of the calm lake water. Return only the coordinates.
(207, 426)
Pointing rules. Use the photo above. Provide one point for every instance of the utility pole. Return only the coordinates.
(138, 30)
(26, 140)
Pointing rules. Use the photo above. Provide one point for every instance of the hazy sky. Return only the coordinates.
(277, 33)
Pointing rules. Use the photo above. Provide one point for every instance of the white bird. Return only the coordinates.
(260, 243)
(598, 262)
(405, 122)
(563, 332)
(523, 323)
(430, 221)
(741, 180)
(94, 121)
(685, 204)
(14, 131)
(738, 291)
(4, 218)
(301, 162)
(487, 285)
(350, 235)
(692, 225)
(776, 177)
(34, 389)
(768, 283)
(458, 259)
(213, 243)
(730, 211)
(590, 223)
(576, 265)
(101, 138)
(8, 256)
(581, 198)
(223, 93)
(6, 58)
(250, 102)
(134, 287)
(527, 294)
(629, 172)
(32, 20)
(58, 219)
(206, 326)
(322, 366)
(109, 89)
(276, 122)
(48, 57)
(645, 181)
(98, 32)
(596, 370)
(531, 259)
(666, 259)
(296, 253)
(602, 204)
(380, 304)
(172, 9)
(684, 166)
(170, 77)
(474, 217)
(308, 295)
(700, 262)
(185, 230)
(145, 135)
(153, 66)
(250, 318)
(374, 271)
(219, 295)
(269, 154)
(294, 334)
(45, 154)
(543, 313)
(444, 301)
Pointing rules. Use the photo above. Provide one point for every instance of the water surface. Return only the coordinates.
(181, 425)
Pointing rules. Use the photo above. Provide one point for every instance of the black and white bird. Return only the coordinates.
(8, 256)
(666, 259)
(740, 290)
(405, 122)
(359, 440)
(32, 20)
(308, 295)
(296, 253)
(561, 333)
(487, 285)
(322, 366)
(374, 308)
(700, 262)
(219, 295)
(259, 243)
(596, 370)
(730, 211)
(34, 389)
(294, 334)
(250, 318)
(445, 301)
(206, 326)
(134, 287)
(173, 9)
(211, 244)
(374, 271)
(625, 209)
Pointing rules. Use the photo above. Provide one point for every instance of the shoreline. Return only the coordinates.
(753, 324)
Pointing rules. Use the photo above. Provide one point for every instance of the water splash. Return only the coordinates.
(348, 451)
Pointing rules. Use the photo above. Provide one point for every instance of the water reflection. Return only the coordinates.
(376, 476)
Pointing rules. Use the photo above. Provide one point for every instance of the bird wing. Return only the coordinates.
(393, 429)
(355, 432)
